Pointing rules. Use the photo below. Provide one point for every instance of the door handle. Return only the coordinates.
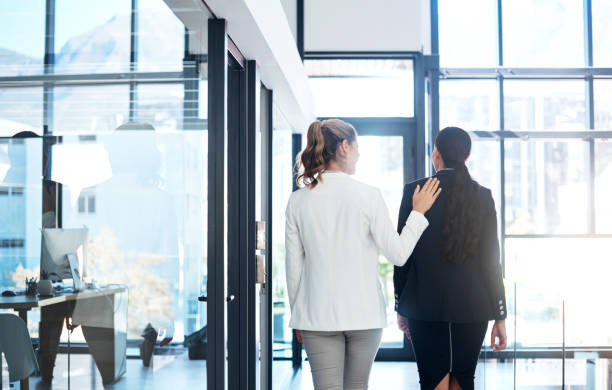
(204, 298)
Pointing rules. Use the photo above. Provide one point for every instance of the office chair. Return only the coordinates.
(16, 345)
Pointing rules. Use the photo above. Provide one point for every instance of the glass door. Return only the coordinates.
(386, 148)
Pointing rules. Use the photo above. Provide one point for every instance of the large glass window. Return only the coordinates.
(545, 33)
(362, 88)
(21, 212)
(92, 41)
(90, 109)
(21, 109)
(546, 187)
(602, 33)
(544, 105)
(160, 105)
(603, 186)
(468, 33)
(602, 91)
(150, 198)
(547, 275)
(22, 37)
(471, 105)
(282, 185)
(159, 49)
(381, 164)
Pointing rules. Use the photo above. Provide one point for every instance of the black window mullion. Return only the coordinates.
(133, 58)
(590, 113)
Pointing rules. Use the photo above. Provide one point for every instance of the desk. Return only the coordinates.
(102, 314)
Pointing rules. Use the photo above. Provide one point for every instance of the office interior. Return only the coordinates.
(151, 145)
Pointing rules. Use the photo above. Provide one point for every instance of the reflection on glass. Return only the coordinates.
(22, 37)
(546, 187)
(148, 218)
(21, 109)
(90, 109)
(362, 88)
(546, 33)
(602, 33)
(381, 164)
(544, 105)
(160, 105)
(547, 273)
(159, 49)
(469, 104)
(603, 186)
(88, 41)
(602, 90)
(282, 185)
(20, 213)
(468, 33)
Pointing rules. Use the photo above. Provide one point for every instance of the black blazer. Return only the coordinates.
(430, 288)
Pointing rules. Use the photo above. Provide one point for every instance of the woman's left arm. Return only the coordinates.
(490, 264)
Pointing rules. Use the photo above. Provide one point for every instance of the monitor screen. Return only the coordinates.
(56, 244)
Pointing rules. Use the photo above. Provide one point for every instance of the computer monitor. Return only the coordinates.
(59, 247)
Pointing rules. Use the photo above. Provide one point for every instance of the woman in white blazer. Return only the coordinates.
(335, 228)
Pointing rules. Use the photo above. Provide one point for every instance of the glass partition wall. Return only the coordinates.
(520, 77)
(114, 100)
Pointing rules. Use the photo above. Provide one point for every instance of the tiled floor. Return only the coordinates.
(178, 372)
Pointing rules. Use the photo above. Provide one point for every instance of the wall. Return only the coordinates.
(360, 25)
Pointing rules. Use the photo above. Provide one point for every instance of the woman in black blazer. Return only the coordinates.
(451, 286)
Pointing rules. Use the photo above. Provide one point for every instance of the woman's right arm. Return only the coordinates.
(294, 259)
(397, 248)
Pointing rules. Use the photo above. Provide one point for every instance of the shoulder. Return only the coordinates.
(296, 196)
(486, 197)
(412, 185)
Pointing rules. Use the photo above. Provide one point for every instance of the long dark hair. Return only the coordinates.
(323, 139)
(461, 231)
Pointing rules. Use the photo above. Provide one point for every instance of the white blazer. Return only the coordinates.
(333, 235)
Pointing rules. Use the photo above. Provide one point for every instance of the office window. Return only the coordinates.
(161, 37)
(22, 37)
(603, 186)
(362, 88)
(81, 204)
(469, 104)
(92, 39)
(91, 204)
(484, 167)
(546, 274)
(602, 33)
(282, 185)
(602, 91)
(467, 33)
(20, 210)
(546, 33)
(90, 109)
(21, 109)
(381, 164)
(160, 105)
(544, 105)
(148, 217)
(546, 187)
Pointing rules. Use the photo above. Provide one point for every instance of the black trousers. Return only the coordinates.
(443, 347)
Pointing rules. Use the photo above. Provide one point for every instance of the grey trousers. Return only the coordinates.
(341, 360)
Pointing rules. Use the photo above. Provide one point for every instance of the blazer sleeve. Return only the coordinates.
(400, 272)
(294, 254)
(396, 247)
(490, 265)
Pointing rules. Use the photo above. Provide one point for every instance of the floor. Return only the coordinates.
(178, 372)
